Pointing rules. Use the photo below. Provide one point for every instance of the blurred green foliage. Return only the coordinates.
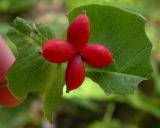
(16, 6)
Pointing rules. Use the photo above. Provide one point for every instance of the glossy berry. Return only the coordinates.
(6, 98)
(97, 55)
(6, 60)
(57, 51)
(79, 32)
(74, 50)
(75, 73)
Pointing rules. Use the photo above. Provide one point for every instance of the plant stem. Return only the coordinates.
(156, 77)
(109, 113)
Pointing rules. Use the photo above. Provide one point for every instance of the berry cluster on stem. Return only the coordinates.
(76, 51)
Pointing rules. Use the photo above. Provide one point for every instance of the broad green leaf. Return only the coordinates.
(31, 72)
(135, 5)
(46, 31)
(123, 33)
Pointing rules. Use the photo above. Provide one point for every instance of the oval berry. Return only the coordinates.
(75, 73)
(6, 60)
(7, 99)
(57, 51)
(97, 55)
(79, 31)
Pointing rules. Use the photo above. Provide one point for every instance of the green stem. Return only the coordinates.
(156, 76)
(109, 113)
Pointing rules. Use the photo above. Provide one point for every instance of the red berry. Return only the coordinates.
(6, 60)
(97, 55)
(75, 73)
(79, 32)
(57, 51)
(6, 98)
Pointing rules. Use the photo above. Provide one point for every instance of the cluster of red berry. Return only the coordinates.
(76, 51)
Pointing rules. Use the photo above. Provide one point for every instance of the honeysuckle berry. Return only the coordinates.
(79, 32)
(97, 55)
(6, 60)
(75, 73)
(57, 51)
(76, 51)
(7, 99)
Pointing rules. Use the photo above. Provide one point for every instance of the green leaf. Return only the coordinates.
(46, 31)
(138, 5)
(31, 73)
(123, 33)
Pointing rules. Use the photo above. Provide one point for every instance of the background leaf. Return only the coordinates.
(124, 34)
(19, 5)
(134, 5)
